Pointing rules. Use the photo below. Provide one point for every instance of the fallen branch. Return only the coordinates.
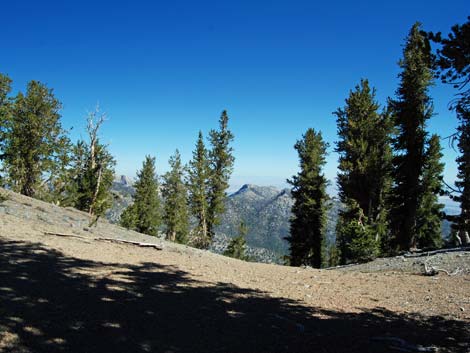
(432, 271)
(440, 251)
(400, 344)
(144, 245)
(122, 241)
(69, 236)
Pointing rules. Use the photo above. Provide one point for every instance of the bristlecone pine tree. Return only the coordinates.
(175, 194)
(430, 211)
(411, 109)
(364, 175)
(461, 223)
(307, 239)
(92, 172)
(5, 111)
(237, 245)
(198, 183)
(221, 163)
(34, 140)
(144, 214)
(453, 60)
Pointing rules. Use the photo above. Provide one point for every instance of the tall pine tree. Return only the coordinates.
(175, 194)
(198, 184)
(430, 211)
(221, 166)
(144, 214)
(307, 226)
(5, 112)
(412, 108)
(364, 174)
(34, 141)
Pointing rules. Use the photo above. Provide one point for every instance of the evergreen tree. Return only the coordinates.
(175, 195)
(144, 214)
(307, 225)
(430, 211)
(92, 172)
(34, 141)
(221, 163)
(453, 61)
(5, 112)
(461, 223)
(411, 110)
(237, 245)
(198, 183)
(364, 173)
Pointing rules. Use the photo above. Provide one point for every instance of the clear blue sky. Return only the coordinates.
(162, 70)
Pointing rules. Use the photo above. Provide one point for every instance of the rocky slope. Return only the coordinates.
(83, 293)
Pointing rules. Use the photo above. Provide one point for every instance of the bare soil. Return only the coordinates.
(63, 294)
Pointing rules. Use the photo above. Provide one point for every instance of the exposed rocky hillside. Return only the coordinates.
(66, 287)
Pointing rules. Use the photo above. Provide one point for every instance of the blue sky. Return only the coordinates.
(163, 70)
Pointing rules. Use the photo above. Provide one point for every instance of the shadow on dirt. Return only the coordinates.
(55, 303)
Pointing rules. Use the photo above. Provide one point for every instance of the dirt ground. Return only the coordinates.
(62, 294)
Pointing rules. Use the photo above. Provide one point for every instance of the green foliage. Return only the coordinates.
(91, 172)
(198, 185)
(430, 211)
(237, 246)
(5, 111)
(461, 223)
(144, 214)
(453, 60)
(412, 108)
(34, 141)
(364, 170)
(333, 255)
(306, 239)
(221, 162)
(175, 194)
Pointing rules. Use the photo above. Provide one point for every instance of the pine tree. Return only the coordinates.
(144, 214)
(221, 167)
(198, 183)
(453, 61)
(430, 211)
(411, 110)
(92, 171)
(237, 245)
(364, 173)
(5, 112)
(175, 195)
(307, 239)
(34, 140)
(461, 223)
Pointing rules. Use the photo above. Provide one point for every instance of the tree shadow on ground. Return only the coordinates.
(50, 302)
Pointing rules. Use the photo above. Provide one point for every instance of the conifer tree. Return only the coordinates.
(237, 245)
(453, 62)
(144, 214)
(92, 171)
(221, 163)
(175, 195)
(5, 112)
(429, 217)
(364, 174)
(198, 183)
(412, 108)
(461, 223)
(34, 140)
(307, 239)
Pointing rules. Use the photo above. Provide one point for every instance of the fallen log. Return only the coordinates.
(70, 236)
(440, 251)
(123, 241)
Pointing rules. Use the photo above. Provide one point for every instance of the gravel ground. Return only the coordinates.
(62, 294)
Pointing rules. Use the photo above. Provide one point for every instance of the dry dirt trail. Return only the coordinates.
(62, 294)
